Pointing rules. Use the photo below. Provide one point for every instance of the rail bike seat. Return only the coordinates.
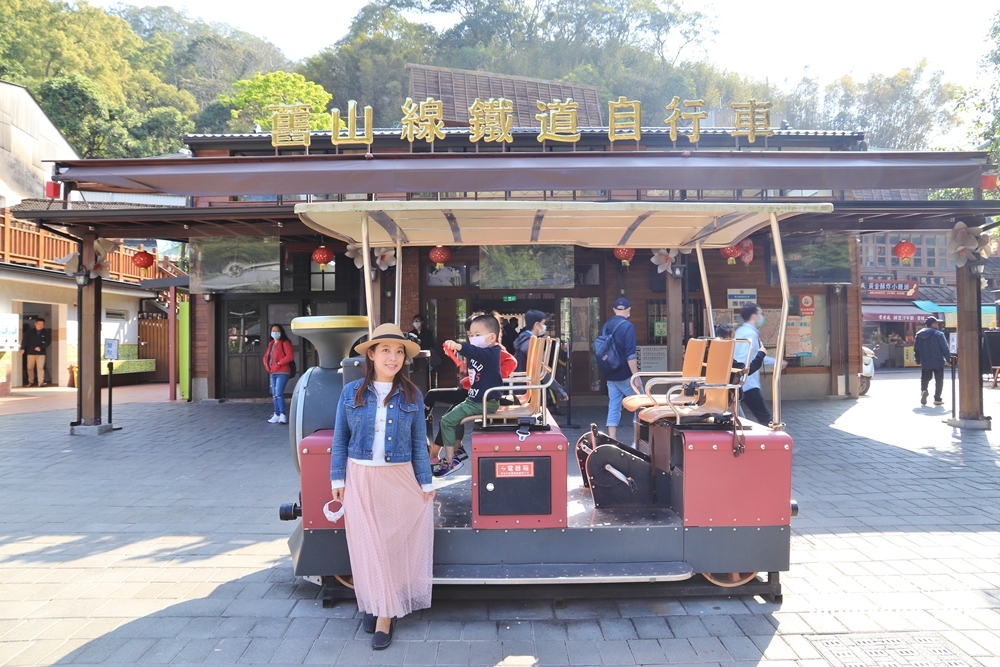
(692, 369)
(711, 398)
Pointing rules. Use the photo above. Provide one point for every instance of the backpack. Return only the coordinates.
(609, 357)
(293, 370)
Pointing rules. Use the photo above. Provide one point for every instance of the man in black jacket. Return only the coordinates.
(930, 350)
(36, 341)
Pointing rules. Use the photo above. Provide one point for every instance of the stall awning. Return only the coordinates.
(516, 222)
(887, 313)
(932, 308)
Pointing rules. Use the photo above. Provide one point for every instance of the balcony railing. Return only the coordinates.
(23, 243)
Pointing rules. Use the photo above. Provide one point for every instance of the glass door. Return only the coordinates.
(244, 374)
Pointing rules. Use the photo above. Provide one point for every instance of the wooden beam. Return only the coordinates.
(970, 381)
(89, 319)
(675, 322)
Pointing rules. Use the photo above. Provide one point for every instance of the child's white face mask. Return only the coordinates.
(478, 341)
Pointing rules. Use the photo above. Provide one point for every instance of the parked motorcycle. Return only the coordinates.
(867, 368)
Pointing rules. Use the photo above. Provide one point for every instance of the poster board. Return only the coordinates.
(10, 331)
(798, 336)
(652, 358)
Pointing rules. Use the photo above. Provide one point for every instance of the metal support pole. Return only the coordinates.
(111, 385)
(172, 342)
(399, 283)
(367, 266)
(779, 352)
(709, 317)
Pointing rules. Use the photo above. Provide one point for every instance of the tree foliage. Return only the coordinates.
(898, 111)
(985, 103)
(145, 74)
(252, 97)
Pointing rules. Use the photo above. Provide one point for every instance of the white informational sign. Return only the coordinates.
(111, 349)
(652, 358)
(953, 342)
(10, 332)
(737, 298)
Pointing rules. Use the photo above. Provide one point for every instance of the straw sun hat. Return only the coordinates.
(388, 332)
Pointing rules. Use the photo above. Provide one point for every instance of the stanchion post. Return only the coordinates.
(111, 384)
(954, 362)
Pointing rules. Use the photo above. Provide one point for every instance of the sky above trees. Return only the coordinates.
(132, 80)
(777, 41)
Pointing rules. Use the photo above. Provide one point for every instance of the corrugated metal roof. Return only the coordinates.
(57, 204)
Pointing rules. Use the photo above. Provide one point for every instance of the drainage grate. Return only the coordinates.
(897, 649)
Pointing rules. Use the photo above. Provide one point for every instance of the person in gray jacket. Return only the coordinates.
(930, 350)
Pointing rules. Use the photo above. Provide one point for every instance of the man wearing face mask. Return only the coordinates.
(534, 325)
(753, 398)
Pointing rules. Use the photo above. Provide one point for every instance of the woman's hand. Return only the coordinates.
(338, 494)
(428, 496)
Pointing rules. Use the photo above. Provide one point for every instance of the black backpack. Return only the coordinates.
(609, 357)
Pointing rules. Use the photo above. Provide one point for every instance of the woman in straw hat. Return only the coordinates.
(380, 471)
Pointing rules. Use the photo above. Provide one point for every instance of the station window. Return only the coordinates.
(322, 281)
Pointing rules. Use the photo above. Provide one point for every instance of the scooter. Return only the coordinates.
(867, 368)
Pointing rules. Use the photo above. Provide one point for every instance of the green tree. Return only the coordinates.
(369, 63)
(985, 103)
(91, 124)
(899, 111)
(161, 132)
(205, 59)
(252, 97)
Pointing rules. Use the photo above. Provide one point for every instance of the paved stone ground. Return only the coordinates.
(161, 544)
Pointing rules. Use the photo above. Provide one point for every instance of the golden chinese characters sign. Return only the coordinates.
(290, 125)
(349, 134)
(423, 121)
(558, 121)
(752, 120)
(491, 120)
(623, 120)
(694, 116)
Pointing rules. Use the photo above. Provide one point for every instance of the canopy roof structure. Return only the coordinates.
(635, 224)
(555, 171)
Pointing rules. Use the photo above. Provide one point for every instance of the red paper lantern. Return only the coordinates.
(439, 256)
(731, 253)
(625, 255)
(904, 250)
(322, 256)
(143, 259)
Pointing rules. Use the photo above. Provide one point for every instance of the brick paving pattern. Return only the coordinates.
(160, 544)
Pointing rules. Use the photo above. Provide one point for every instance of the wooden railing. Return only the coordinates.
(25, 244)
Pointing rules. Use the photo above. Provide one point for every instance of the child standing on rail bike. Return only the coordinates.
(379, 470)
(482, 354)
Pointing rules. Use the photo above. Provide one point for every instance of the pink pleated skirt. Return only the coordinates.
(390, 537)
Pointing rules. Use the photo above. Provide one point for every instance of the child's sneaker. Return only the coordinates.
(273, 419)
(446, 468)
(461, 454)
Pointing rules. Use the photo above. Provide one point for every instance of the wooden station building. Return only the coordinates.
(251, 255)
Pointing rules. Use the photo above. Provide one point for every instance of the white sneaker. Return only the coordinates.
(282, 419)
(274, 419)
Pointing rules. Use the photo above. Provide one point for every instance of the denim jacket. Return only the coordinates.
(405, 435)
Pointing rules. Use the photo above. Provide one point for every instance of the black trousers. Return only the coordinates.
(753, 400)
(925, 380)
